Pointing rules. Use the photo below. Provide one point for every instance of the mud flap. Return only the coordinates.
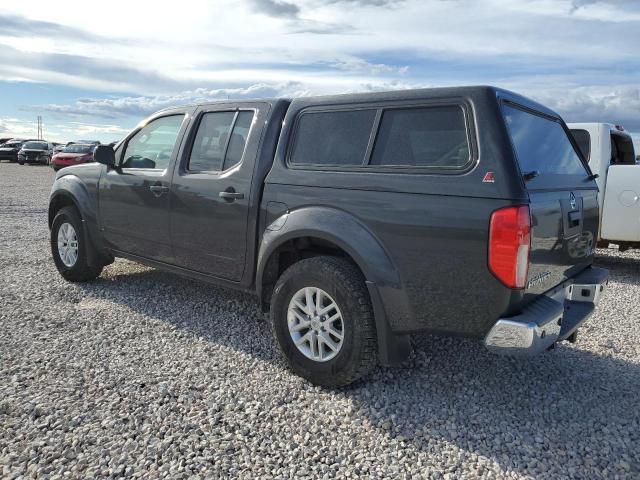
(392, 348)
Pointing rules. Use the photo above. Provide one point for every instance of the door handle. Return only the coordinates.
(231, 196)
(158, 189)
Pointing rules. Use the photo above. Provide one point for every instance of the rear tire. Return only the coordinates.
(346, 350)
(69, 247)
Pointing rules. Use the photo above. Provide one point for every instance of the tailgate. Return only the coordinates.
(563, 199)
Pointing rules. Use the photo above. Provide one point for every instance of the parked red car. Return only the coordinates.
(73, 154)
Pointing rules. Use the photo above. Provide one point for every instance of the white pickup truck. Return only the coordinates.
(609, 150)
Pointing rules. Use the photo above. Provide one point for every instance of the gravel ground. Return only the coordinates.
(145, 374)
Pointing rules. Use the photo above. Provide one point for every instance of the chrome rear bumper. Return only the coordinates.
(553, 317)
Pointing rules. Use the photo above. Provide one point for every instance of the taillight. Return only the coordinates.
(509, 245)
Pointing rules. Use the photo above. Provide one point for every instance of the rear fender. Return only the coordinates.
(350, 235)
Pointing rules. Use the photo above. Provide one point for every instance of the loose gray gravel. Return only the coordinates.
(145, 374)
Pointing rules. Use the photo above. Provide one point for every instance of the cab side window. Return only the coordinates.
(153, 145)
(238, 140)
(220, 141)
(422, 137)
(336, 138)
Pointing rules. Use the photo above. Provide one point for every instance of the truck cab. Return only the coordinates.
(610, 153)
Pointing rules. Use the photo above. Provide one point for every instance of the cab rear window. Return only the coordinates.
(541, 144)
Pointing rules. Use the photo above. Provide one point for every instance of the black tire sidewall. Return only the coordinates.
(290, 283)
(69, 215)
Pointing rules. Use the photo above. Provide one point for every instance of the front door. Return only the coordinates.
(134, 196)
(211, 189)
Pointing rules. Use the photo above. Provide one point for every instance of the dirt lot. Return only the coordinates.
(145, 374)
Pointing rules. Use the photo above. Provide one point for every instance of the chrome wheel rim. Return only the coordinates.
(315, 324)
(67, 244)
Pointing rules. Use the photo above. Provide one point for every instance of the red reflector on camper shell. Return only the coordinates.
(489, 178)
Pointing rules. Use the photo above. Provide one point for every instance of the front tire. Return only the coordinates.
(69, 247)
(322, 319)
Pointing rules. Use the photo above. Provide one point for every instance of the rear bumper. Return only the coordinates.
(551, 318)
(64, 163)
(32, 159)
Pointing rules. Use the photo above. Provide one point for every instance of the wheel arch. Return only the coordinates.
(69, 190)
(58, 201)
(314, 231)
(325, 230)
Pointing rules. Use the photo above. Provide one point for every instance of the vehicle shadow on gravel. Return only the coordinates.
(570, 404)
(221, 316)
(625, 266)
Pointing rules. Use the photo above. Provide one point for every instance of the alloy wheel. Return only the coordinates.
(67, 244)
(315, 324)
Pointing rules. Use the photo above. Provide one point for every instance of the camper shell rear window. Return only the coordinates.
(541, 144)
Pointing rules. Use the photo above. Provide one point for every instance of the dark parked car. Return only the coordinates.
(73, 154)
(35, 151)
(357, 220)
(9, 150)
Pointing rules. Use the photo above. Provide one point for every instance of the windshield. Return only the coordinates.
(78, 149)
(36, 145)
(12, 145)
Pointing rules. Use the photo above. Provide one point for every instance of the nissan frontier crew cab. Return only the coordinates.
(357, 220)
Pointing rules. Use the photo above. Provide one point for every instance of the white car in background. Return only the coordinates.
(609, 150)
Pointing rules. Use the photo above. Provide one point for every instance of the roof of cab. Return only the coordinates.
(391, 95)
(231, 101)
(424, 93)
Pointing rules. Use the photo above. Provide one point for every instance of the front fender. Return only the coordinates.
(72, 190)
(390, 303)
(70, 187)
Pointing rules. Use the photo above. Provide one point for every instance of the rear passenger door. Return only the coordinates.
(211, 188)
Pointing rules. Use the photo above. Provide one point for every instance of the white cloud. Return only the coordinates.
(61, 132)
(140, 106)
(14, 127)
(579, 56)
(195, 42)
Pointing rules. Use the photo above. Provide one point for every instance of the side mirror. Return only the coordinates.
(105, 155)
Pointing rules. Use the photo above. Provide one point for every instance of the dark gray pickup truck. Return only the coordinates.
(357, 220)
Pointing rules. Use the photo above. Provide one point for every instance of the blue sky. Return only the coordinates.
(98, 76)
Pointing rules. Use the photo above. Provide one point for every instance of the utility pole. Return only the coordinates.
(39, 127)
